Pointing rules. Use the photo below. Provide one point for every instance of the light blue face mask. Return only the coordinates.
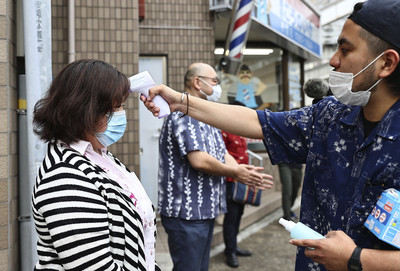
(115, 129)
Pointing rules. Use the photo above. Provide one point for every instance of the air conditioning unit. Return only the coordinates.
(221, 5)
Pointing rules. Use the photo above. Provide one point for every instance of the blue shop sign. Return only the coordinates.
(293, 20)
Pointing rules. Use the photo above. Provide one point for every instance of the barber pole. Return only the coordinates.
(240, 29)
(239, 32)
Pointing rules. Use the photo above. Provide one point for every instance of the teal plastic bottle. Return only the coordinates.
(299, 230)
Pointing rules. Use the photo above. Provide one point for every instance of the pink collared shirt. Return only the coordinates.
(132, 187)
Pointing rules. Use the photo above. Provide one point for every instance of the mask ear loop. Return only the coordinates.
(377, 82)
(207, 85)
(366, 67)
(205, 82)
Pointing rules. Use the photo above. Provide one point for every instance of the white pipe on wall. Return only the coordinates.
(71, 31)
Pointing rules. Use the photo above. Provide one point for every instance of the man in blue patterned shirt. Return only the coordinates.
(193, 163)
(350, 143)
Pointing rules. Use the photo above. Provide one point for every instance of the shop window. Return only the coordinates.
(258, 82)
(294, 77)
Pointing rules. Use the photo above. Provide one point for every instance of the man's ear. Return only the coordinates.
(196, 83)
(391, 61)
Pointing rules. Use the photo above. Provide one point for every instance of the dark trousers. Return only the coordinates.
(189, 242)
(291, 180)
(231, 220)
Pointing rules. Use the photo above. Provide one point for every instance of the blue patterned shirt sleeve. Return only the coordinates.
(345, 173)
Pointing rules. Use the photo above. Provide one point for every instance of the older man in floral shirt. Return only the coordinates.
(193, 166)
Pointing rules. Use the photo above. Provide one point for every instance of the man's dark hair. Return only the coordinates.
(82, 93)
(376, 46)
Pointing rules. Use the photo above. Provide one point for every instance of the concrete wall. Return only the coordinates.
(106, 30)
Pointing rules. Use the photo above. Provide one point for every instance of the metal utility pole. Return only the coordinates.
(37, 53)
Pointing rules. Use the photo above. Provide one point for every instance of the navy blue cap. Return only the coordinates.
(381, 18)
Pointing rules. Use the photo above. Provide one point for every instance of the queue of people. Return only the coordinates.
(92, 213)
(348, 142)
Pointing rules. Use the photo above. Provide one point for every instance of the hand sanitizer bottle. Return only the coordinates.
(299, 230)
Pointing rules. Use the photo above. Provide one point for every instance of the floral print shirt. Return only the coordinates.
(185, 192)
(345, 173)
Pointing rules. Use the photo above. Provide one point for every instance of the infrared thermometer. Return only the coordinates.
(141, 83)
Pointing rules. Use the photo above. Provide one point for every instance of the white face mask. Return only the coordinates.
(217, 91)
(341, 85)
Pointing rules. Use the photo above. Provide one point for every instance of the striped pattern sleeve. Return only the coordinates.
(83, 221)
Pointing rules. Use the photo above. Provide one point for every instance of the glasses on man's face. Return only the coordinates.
(213, 79)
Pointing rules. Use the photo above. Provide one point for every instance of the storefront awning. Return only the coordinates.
(290, 25)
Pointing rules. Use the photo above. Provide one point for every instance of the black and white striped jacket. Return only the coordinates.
(83, 219)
